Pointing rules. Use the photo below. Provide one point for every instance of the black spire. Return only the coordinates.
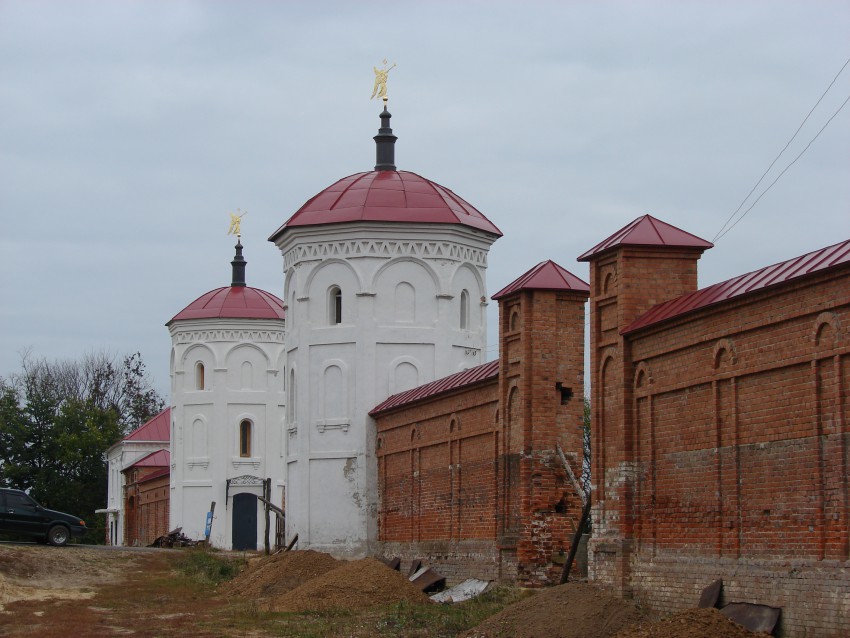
(238, 264)
(385, 144)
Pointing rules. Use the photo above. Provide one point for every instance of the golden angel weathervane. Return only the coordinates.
(236, 224)
(380, 88)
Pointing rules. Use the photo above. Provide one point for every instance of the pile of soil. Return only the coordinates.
(691, 623)
(573, 610)
(358, 584)
(275, 575)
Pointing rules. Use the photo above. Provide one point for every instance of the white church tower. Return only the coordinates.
(227, 389)
(385, 291)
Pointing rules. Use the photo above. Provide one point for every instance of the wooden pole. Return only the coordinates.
(268, 496)
(585, 514)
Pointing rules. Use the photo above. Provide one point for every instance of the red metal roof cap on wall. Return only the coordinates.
(452, 382)
(547, 275)
(157, 429)
(165, 471)
(648, 231)
(813, 262)
(233, 302)
(160, 458)
(387, 196)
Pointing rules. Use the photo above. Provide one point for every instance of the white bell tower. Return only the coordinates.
(385, 291)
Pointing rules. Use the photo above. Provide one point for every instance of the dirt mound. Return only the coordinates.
(574, 610)
(691, 623)
(275, 575)
(358, 584)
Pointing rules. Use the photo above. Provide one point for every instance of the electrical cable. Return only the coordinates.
(721, 232)
(843, 104)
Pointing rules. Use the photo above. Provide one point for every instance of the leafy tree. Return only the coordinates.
(585, 462)
(58, 419)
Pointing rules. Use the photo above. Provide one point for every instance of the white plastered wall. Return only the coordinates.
(243, 381)
(400, 327)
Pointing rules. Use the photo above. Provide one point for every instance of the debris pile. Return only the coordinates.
(358, 584)
(174, 538)
(573, 610)
(691, 623)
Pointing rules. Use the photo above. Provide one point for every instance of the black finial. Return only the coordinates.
(385, 144)
(238, 264)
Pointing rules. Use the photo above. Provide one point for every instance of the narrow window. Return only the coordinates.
(199, 376)
(335, 306)
(245, 438)
(464, 310)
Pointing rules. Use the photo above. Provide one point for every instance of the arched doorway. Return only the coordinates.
(244, 522)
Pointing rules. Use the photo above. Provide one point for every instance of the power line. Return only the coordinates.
(721, 232)
(843, 104)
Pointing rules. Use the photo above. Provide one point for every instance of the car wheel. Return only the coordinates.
(58, 535)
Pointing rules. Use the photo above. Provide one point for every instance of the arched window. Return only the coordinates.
(464, 310)
(514, 321)
(245, 438)
(199, 376)
(334, 306)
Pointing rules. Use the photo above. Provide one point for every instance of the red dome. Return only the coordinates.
(233, 302)
(387, 196)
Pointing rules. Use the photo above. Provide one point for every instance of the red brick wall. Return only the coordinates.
(146, 515)
(471, 480)
(722, 448)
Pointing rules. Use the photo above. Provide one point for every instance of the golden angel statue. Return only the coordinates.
(380, 88)
(236, 223)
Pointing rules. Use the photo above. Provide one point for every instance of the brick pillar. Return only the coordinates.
(541, 399)
(625, 282)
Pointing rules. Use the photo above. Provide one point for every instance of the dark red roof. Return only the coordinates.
(160, 458)
(387, 196)
(807, 264)
(452, 382)
(157, 429)
(547, 275)
(233, 302)
(647, 231)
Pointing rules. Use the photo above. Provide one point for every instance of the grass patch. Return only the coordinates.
(209, 567)
(402, 620)
(445, 620)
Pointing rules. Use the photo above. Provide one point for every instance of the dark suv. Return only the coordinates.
(21, 515)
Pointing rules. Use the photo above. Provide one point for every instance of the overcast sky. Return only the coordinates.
(129, 131)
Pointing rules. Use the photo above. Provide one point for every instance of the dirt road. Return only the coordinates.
(84, 591)
(77, 590)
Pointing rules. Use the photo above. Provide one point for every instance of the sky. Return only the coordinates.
(130, 130)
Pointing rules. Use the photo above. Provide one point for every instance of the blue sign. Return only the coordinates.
(209, 525)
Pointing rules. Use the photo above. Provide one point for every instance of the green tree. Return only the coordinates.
(57, 419)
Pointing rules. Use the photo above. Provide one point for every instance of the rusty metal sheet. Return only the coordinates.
(753, 617)
(414, 567)
(427, 580)
(711, 594)
(392, 563)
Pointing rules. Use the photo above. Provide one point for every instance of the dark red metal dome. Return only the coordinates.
(233, 302)
(387, 196)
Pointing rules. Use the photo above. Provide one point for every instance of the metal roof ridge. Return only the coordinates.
(750, 282)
